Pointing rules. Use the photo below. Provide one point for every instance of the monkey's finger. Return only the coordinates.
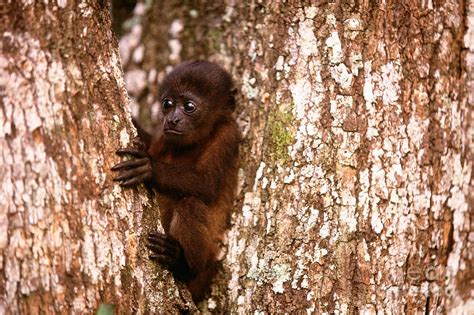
(157, 234)
(157, 249)
(132, 173)
(163, 259)
(127, 164)
(164, 240)
(131, 151)
(136, 180)
(163, 246)
(163, 236)
(161, 250)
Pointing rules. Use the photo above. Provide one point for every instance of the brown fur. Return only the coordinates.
(193, 168)
(196, 225)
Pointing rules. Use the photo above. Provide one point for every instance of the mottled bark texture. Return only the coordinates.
(356, 192)
(70, 238)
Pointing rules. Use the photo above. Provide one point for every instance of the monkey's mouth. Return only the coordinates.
(173, 131)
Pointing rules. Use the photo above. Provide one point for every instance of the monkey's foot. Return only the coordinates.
(165, 250)
(168, 252)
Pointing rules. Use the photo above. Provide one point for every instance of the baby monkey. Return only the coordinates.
(192, 162)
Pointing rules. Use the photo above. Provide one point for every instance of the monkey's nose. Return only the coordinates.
(173, 121)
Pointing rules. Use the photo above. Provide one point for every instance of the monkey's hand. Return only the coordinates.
(168, 252)
(134, 171)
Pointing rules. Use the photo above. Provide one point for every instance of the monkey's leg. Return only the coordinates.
(191, 228)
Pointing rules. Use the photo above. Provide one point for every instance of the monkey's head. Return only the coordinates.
(195, 97)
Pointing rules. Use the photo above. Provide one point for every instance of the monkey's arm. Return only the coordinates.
(177, 181)
(201, 180)
(181, 181)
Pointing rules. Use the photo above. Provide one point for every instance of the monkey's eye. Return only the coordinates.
(189, 107)
(167, 104)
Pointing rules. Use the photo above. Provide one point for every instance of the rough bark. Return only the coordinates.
(70, 238)
(356, 178)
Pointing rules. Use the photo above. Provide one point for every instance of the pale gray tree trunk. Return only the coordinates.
(356, 189)
(70, 238)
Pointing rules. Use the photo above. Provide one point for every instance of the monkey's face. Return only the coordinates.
(194, 96)
(186, 118)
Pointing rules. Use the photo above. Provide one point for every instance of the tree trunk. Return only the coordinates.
(356, 191)
(70, 238)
